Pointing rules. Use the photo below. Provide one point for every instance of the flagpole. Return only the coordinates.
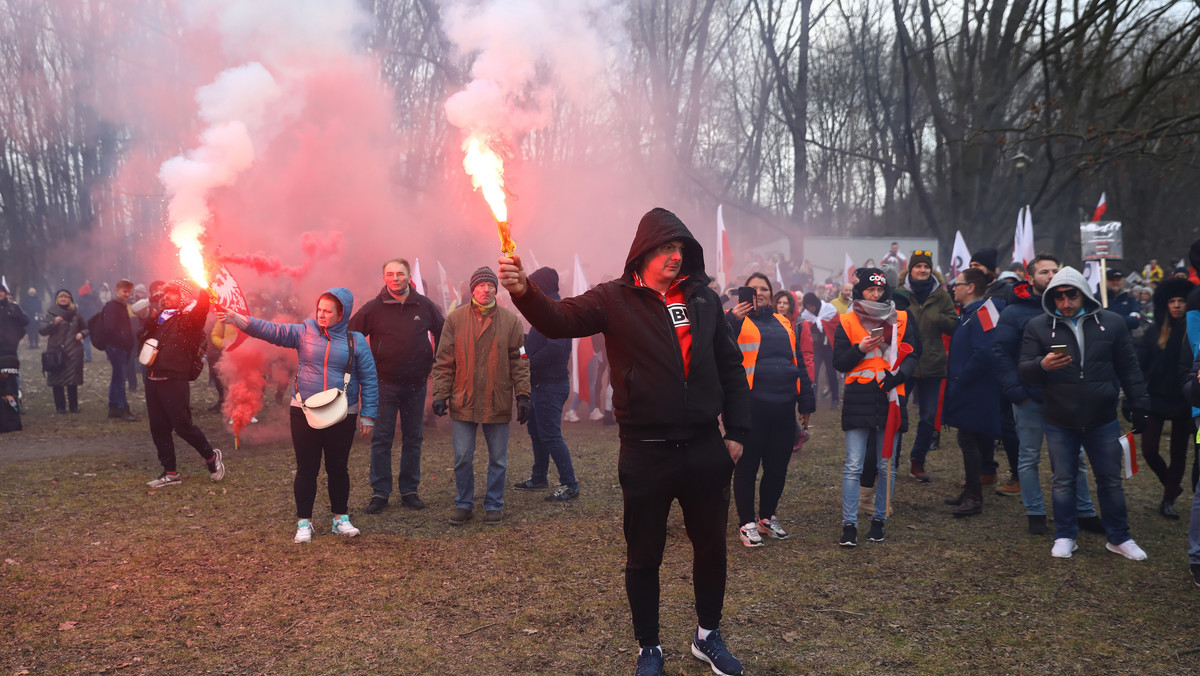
(1103, 283)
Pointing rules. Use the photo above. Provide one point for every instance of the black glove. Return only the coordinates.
(440, 407)
(890, 381)
(1138, 420)
(522, 408)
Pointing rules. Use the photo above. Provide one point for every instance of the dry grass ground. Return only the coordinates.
(102, 575)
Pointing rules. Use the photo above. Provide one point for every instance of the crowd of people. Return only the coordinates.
(711, 392)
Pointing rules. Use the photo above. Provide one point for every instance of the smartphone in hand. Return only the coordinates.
(747, 294)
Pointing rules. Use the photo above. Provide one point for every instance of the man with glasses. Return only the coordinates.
(1077, 351)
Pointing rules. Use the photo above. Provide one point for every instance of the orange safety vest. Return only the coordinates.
(749, 340)
(873, 365)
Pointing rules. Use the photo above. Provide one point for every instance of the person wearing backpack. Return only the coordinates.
(113, 334)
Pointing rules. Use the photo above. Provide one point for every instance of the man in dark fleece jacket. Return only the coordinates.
(398, 323)
(675, 369)
(1077, 352)
(1024, 304)
(550, 384)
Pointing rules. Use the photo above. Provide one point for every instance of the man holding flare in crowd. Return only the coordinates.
(675, 369)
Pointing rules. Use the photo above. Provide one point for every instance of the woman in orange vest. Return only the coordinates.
(868, 349)
(777, 384)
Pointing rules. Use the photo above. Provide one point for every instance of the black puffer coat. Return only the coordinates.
(1084, 393)
(1162, 364)
(864, 405)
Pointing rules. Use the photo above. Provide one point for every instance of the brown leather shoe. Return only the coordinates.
(956, 501)
(460, 516)
(1010, 487)
(493, 517)
(970, 506)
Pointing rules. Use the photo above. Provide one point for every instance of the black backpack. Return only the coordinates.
(96, 331)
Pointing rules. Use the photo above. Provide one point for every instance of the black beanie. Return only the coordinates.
(986, 258)
(482, 275)
(546, 279)
(868, 277)
(810, 299)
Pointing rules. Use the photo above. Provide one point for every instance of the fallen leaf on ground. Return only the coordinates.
(67, 626)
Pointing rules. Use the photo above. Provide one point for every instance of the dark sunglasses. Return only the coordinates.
(1065, 293)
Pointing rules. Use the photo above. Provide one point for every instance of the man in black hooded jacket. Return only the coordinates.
(675, 368)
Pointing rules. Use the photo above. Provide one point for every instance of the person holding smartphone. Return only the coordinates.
(778, 382)
(867, 348)
(1079, 403)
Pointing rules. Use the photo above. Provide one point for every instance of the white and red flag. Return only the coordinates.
(581, 348)
(1100, 208)
(419, 284)
(988, 315)
(724, 253)
(1128, 455)
(1023, 249)
(229, 296)
(849, 267)
(449, 293)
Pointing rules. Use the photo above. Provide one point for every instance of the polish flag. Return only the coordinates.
(449, 293)
(1100, 209)
(988, 315)
(724, 253)
(961, 257)
(418, 283)
(849, 271)
(581, 348)
(779, 276)
(1128, 455)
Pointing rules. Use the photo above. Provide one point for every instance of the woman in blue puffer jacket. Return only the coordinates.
(324, 346)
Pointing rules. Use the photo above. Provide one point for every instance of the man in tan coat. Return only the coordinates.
(480, 365)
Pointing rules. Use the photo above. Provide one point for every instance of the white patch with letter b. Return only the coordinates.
(678, 314)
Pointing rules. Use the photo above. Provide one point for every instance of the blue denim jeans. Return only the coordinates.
(409, 402)
(856, 455)
(1028, 417)
(1101, 443)
(545, 433)
(463, 440)
(116, 385)
(928, 390)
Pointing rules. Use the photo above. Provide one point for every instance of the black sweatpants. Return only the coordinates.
(772, 435)
(334, 443)
(169, 409)
(653, 474)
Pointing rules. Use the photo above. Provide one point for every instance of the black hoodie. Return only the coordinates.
(652, 399)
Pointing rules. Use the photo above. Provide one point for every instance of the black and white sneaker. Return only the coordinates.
(562, 494)
(849, 536)
(876, 532)
(165, 479)
(216, 468)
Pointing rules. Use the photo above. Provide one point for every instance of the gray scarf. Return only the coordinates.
(874, 315)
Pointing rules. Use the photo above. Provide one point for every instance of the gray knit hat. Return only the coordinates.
(482, 275)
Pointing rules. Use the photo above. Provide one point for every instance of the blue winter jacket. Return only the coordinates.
(324, 355)
(972, 393)
(1023, 305)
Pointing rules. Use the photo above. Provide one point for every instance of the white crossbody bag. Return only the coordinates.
(327, 407)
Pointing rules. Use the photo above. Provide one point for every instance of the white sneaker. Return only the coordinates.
(216, 469)
(571, 416)
(771, 527)
(165, 479)
(749, 535)
(304, 531)
(342, 526)
(1129, 549)
(1063, 547)
(596, 414)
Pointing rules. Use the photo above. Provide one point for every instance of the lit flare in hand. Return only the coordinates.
(486, 169)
